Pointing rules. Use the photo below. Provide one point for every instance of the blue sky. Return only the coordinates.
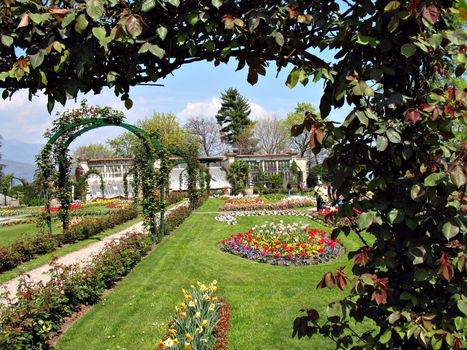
(193, 90)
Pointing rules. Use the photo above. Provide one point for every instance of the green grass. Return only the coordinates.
(45, 258)
(10, 234)
(265, 299)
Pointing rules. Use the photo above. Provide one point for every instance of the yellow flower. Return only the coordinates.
(188, 337)
(182, 306)
(188, 346)
(191, 304)
(182, 314)
(205, 323)
(169, 342)
(172, 331)
(212, 307)
(198, 315)
(206, 297)
(215, 299)
(175, 341)
(188, 297)
(199, 330)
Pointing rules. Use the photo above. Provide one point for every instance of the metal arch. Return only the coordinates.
(94, 123)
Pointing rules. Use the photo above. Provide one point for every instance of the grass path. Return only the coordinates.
(264, 299)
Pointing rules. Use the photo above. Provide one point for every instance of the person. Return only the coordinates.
(289, 188)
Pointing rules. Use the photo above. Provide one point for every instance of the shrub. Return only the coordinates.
(38, 312)
(201, 322)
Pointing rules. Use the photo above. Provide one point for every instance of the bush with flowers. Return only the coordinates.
(283, 244)
(228, 218)
(299, 202)
(201, 322)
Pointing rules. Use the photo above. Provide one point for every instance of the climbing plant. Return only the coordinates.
(83, 179)
(180, 179)
(135, 185)
(201, 177)
(189, 154)
(238, 176)
(72, 124)
(5, 186)
(208, 178)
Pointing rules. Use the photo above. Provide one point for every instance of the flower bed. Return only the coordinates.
(201, 323)
(283, 244)
(282, 205)
(244, 200)
(14, 212)
(38, 312)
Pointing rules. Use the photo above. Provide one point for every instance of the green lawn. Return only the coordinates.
(265, 299)
(10, 234)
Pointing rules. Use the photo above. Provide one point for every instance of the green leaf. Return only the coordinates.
(81, 24)
(362, 117)
(392, 6)
(38, 18)
(408, 49)
(175, 3)
(381, 143)
(193, 18)
(457, 175)
(462, 305)
(417, 192)
(396, 315)
(128, 103)
(148, 5)
(434, 179)
(157, 51)
(450, 229)
(386, 337)
(393, 23)
(362, 89)
(396, 216)
(417, 255)
(7, 40)
(293, 77)
(95, 9)
(279, 38)
(99, 33)
(37, 59)
(365, 220)
(393, 136)
(217, 3)
(162, 32)
(253, 23)
(68, 19)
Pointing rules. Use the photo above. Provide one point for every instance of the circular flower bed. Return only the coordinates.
(283, 244)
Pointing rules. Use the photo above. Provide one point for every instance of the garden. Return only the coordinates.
(385, 269)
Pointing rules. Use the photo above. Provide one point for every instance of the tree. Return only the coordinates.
(300, 142)
(94, 150)
(245, 143)
(272, 135)
(164, 125)
(233, 115)
(207, 131)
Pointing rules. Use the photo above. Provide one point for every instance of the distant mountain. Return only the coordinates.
(19, 169)
(19, 158)
(18, 151)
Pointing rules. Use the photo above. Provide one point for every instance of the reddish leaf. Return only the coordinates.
(456, 343)
(328, 280)
(319, 134)
(413, 6)
(431, 13)
(313, 315)
(341, 278)
(451, 92)
(293, 13)
(362, 258)
(296, 130)
(412, 115)
(380, 296)
(58, 11)
(309, 120)
(445, 267)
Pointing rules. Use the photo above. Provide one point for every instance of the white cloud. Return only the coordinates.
(209, 109)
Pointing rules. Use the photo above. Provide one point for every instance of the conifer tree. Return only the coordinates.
(233, 115)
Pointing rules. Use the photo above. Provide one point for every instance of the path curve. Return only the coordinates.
(81, 256)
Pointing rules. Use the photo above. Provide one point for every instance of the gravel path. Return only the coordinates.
(78, 257)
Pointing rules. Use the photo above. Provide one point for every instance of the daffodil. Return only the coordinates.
(188, 346)
(212, 307)
(205, 323)
(199, 330)
(198, 315)
(188, 337)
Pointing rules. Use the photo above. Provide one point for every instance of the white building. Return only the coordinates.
(114, 169)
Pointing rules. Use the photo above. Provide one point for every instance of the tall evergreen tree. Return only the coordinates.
(233, 115)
